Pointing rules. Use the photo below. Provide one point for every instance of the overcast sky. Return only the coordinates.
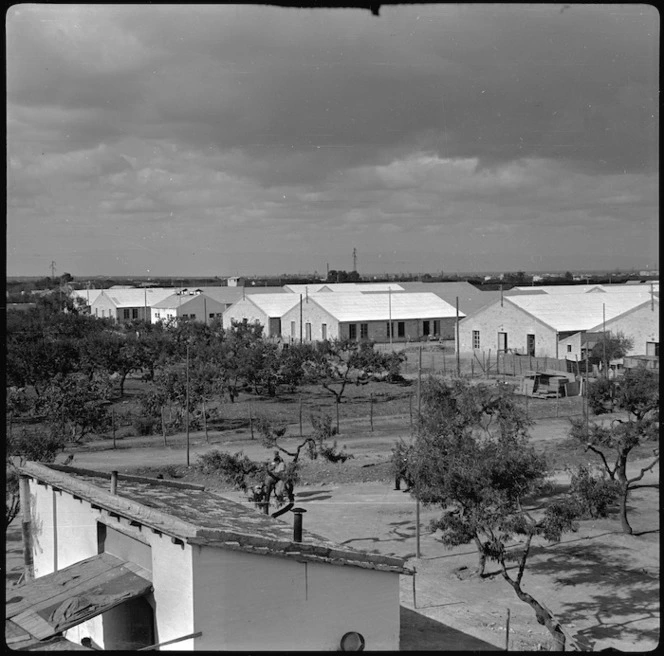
(220, 140)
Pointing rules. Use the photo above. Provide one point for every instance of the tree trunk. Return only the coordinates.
(123, 377)
(481, 565)
(624, 522)
(543, 615)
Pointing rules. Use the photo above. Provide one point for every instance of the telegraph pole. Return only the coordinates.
(354, 259)
(187, 404)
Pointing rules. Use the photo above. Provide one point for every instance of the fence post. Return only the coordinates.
(251, 421)
(300, 415)
(488, 363)
(472, 368)
(514, 366)
(410, 409)
(113, 424)
(371, 401)
(557, 400)
(546, 361)
(527, 415)
(163, 426)
(207, 437)
(443, 361)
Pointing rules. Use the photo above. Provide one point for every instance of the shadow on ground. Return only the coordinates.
(621, 590)
(421, 633)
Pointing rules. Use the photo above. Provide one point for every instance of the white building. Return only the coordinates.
(193, 307)
(128, 304)
(265, 309)
(367, 316)
(553, 325)
(154, 561)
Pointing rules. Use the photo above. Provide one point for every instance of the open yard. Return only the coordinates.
(603, 585)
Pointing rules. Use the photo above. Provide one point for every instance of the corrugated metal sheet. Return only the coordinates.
(56, 602)
(399, 306)
(576, 312)
(137, 297)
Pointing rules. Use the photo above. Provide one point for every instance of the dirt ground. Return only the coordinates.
(603, 585)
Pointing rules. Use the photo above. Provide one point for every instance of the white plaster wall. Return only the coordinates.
(641, 326)
(245, 309)
(102, 302)
(311, 313)
(201, 307)
(41, 514)
(172, 579)
(512, 320)
(575, 342)
(256, 602)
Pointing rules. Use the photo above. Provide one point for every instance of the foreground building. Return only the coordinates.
(130, 562)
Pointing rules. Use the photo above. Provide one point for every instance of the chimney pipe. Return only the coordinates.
(114, 482)
(297, 526)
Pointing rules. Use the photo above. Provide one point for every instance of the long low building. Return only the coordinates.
(378, 317)
(554, 325)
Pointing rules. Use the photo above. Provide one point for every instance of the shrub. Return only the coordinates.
(595, 493)
(144, 425)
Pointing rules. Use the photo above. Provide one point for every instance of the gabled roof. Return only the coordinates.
(273, 305)
(136, 297)
(380, 307)
(576, 312)
(591, 289)
(654, 301)
(198, 516)
(344, 287)
(470, 297)
(179, 300)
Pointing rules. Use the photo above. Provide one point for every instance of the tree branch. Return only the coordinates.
(643, 471)
(603, 457)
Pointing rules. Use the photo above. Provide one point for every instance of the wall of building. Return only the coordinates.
(201, 306)
(245, 309)
(570, 347)
(255, 602)
(640, 326)
(103, 307)
(377, 330)
(311, 313)
(511, 320)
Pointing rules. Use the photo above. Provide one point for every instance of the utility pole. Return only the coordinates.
(419, 409)
(458, 355)
(300, 318)
(389, 301)
(187, 404)
(354, 259)
(52, 269)
(606, 364)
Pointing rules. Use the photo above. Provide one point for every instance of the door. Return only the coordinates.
(502, 342)
(307, 328)
(530, 345)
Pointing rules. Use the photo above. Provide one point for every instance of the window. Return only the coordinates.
(292, 329)
(530, 345)
(352, 331)
(157, 315)
(652, 348)
(502, 342)
(125, 314)
(307, 328)
(211, 315)
(364, 331)
(436, 327)
(134, 313)
(476, 339)
(401, 329)
(185, 316)
(569, 348)
(96, 312)
(103, 313)
(192, 316)
(426, 327)
(323, 331)
(388, 329)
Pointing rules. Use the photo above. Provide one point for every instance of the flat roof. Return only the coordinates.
(199, 516)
